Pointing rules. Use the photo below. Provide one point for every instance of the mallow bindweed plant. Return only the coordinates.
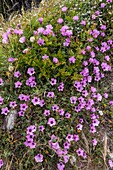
(53, 82)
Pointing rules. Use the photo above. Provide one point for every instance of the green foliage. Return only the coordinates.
(53, 47)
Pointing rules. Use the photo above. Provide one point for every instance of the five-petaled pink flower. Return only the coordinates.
(39, 158)
(51, 122)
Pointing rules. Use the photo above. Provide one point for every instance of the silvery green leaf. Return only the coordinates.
(72, 160)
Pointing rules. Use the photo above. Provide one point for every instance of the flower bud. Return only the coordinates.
(10, 68)
(32, 39)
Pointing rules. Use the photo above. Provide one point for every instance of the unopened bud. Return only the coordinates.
(10, 68)
(32, 39)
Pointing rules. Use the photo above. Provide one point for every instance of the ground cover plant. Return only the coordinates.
(53, 84)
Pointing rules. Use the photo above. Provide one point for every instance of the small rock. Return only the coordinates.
(9, 121)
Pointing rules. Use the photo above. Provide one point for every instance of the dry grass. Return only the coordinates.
(44, 9)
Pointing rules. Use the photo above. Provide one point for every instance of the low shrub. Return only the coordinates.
(57, 61)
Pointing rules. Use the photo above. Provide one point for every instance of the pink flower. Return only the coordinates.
(66, 44)
(40, 20)
(99, 97)
(66, 158)
(69, 137)
(18, 84)
(50, 94)
(23, 107)
(40, 30)
(55, 107)
(31, 129)
(30, 71)
(103, 27)
(5, 110)
(108, 1)
(21, 113)
(13, 104)
(67, 115)
(17, 74)
(102, 5)
(19, 32)
(53, 81)
(24, 97)
(47, 31)
(83, 22)
(88, 48)
(22, 39)
(73, 99)
(30, 136)
(97, 13)
(40, 41)
(61, 87)
(94, 142)
(41, 128)
(105, 95)
(64, 9)
(61, 112)
(39, 158)
(42, 103)
(46, 112)
(1, 100)
(75, 18)
(110, 162)
(60, 21)
(111, 102)
(93, 89)
(107, 58)
(83, 51)
(55, 145)
(35, 101)
(60, 153)
(55, 60)
(92, 129)
(1, 163)
(66, 145)
(95, 122)
(79, 152)
(31, 144)
(93, 16)
(31, 82)
(1, 82)
(51, 122)
(76, 138)
(11, 59)
(60, 166)
(79, 126)
(45, 57)
(35, 32)
(72, 59)
(5, 38)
